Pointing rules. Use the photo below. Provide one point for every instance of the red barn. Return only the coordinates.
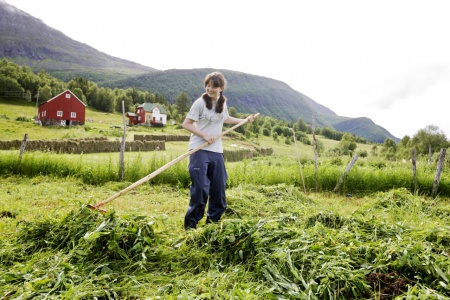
(64, 109)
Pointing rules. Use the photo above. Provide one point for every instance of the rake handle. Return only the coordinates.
(165, 167)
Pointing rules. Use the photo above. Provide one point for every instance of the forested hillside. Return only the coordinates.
(365, 126)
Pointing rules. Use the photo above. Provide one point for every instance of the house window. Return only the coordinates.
(73, 114)
(68, 96)
(59, 113)
(44, 113)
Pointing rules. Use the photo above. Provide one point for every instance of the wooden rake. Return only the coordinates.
(162, 169)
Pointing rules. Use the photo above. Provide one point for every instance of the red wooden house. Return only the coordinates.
(64, 109)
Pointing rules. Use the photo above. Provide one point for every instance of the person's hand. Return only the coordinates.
(251, 118)
(209, 139)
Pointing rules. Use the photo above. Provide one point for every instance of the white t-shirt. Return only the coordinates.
(208, 121)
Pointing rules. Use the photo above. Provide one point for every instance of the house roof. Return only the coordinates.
(131, 114)
(148, 107)
(60, 95)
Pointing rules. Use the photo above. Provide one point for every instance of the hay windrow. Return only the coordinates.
(90, 236)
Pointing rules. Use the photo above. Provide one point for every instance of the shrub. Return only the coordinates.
(22, 119)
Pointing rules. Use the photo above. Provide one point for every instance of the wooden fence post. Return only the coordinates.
(437, 177)
(413, 161)
(349, 167)
(122, 145)
(22, 147)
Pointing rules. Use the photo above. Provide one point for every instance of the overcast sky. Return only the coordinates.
(388, 60)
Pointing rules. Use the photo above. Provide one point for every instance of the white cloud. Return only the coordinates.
(414, 85)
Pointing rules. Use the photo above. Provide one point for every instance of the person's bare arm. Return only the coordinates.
(233, 120)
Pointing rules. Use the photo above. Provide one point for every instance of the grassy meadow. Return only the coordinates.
(283, 236)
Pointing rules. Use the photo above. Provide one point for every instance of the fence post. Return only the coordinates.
(437, 178)
(349, 167)
(122, 145)
(22, 147)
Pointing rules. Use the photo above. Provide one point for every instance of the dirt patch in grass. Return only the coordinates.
(389, 285)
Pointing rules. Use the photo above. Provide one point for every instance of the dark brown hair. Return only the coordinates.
(217, 80)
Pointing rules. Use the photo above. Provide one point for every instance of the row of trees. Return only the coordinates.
(20, 82)
(426, 141)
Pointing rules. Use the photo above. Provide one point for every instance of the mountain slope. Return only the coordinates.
(27, 40)
(365, 127)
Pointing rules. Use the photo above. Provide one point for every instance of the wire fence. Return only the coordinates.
(15, 95)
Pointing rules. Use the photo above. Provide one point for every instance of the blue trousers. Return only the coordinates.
(209, 177)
